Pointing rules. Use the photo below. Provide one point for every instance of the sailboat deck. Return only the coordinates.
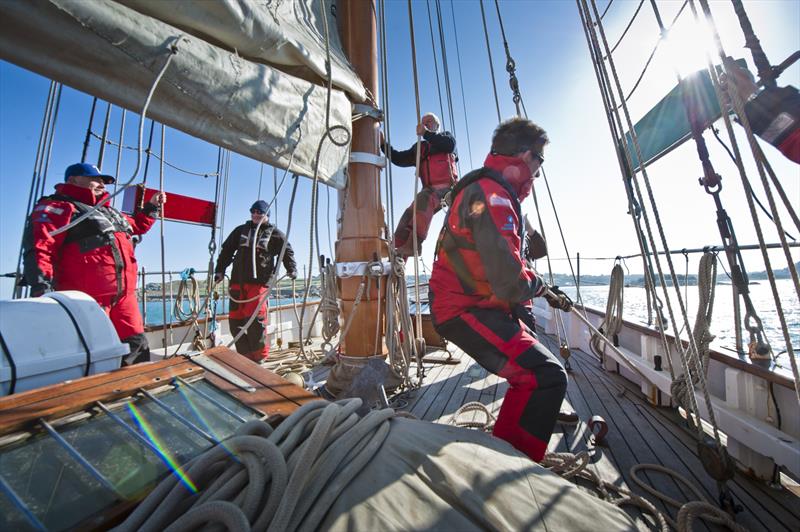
(638, 433)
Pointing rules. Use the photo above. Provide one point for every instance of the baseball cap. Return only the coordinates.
(87, 170)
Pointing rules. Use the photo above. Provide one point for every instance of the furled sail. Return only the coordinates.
(248, 76)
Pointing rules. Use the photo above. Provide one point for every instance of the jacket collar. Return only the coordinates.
(84, 195)
(514, 170)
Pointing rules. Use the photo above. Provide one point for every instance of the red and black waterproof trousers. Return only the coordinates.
(537, 381)
(429, 202)
(253, 343)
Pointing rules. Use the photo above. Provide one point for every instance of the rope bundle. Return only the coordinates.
(474, 406)
(612, 323)
(574, 465)
(261, 479)
(706, 282)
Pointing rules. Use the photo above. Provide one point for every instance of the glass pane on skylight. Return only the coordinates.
(51, 483)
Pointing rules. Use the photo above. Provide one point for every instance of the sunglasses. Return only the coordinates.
(256, 211)
(538, 156)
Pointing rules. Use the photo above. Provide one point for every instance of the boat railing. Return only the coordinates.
(754, 407)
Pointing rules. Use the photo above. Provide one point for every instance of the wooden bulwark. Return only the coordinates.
(273, 394)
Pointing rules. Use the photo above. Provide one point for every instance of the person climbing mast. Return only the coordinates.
(250, 275)
(437, 171)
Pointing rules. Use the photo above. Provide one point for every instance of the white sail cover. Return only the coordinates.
(248, 75)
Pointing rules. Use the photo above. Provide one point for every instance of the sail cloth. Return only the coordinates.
(248, 76)
(666, 126)
(428, 476)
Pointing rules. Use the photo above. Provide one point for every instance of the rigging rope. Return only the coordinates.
(461, 81)
(435, 64)
(664, 33)
(172, 48)
(119, 150)
(706, 284)
(739, 108)
(612, 321)
(120, 146)
(678, 345)
(625, 31)
(510, 68)
(491, 63)
(445, 68)
(163, 245)
(42, 147)
(418, 311)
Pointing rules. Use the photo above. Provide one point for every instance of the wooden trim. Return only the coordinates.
(273, 394)
(723, 358)
(20, 411)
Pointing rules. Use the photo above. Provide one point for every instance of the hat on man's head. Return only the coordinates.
(260, 205)
(86, 170)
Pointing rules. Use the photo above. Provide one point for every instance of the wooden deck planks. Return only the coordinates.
(638, 433)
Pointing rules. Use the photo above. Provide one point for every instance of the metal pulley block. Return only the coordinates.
(565, 353)
(716, 461)
(758, 350)
(599, 428)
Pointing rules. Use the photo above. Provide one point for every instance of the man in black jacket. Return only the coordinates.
(250, 275)
(437, 171)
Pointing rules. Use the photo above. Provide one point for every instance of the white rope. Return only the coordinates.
(172, 49)
(263, 479)
(706, 283)
(612, 321)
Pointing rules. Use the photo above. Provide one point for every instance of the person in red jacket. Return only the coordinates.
(437, 171)
(480, 281)
(773, 113)
(96, 256)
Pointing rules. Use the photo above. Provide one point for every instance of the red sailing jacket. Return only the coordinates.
(437, 167)
(478, 262)
(774, 115)
(96, 256)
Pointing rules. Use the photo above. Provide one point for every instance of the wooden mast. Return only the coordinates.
(361, 236)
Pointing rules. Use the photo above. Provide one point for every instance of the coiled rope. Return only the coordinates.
(706, 283)
(575, 465)
(612, 322)
(264, 479)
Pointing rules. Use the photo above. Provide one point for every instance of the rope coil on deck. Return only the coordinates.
(261, 479)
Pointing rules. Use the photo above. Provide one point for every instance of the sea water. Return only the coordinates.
(154, 313)
(722, 323)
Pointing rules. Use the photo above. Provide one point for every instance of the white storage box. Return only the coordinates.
(40, 337)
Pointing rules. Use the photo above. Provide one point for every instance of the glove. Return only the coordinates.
(535, 246)
(292, 275)
(558, 299)
(218, 277)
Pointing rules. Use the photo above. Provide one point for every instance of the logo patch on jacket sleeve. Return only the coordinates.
(476, 208)
(509, 225)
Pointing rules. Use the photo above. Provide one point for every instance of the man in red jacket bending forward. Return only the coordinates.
(96, 255)
(480, 280)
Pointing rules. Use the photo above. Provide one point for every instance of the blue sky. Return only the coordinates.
(558, 87)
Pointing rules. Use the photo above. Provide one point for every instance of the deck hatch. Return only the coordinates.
(67, 472)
